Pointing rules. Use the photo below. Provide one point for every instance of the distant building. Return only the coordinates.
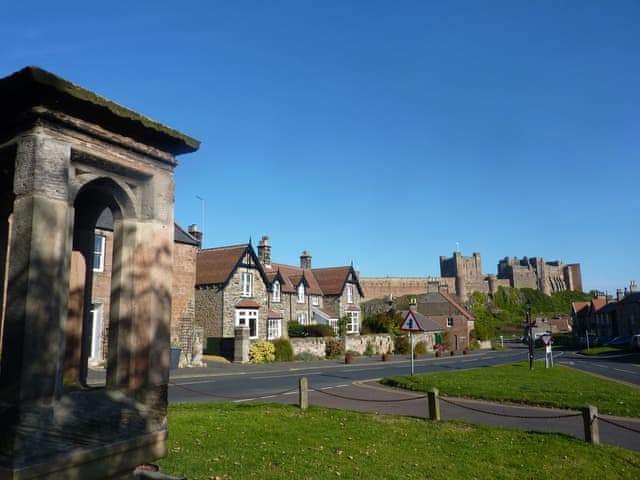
(468, 276)
(547, 277)
(461, 276)
(608, 317)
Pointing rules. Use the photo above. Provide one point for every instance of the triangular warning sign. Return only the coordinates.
(410, 323)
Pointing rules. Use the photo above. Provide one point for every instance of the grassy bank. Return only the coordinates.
(243, 441)
(560, 387)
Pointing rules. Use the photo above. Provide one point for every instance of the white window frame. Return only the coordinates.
(97, 313)
(315, 300)
(349, 293)
(333, 323)
(248, 317)
(302, 318)
(246, 284)
(449, 322)
(301, 293)
(353, 322)
(274, 328)
(99, 251)
(276, 291)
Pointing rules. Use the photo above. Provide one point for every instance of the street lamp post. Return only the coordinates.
(530, 324)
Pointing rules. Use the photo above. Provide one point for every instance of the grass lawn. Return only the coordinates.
(219, 441)
(594, 351)
(560, 387)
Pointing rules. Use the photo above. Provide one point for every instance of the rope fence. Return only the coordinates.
(589, 413)
(507, 415)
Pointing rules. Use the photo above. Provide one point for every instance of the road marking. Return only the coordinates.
(601, 366)
(195, 382)
(625, 371)
(285, 376)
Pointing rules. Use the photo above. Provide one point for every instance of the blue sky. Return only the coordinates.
(383, 133)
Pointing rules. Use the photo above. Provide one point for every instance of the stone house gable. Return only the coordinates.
(300, 293)
(441, 308)
(232, 289)
(342, 293)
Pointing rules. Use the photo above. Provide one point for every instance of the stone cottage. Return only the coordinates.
(237, 287)
(440, 307)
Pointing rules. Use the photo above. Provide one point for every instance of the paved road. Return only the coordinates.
(242, 382)
(336, 385)
(623, 367)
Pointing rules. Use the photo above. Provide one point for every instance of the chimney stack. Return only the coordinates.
(195, 233)
(264, 251)
(305, 260)
(633, 287)
(619, 294)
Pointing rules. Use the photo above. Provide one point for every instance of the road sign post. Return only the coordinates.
(411, 324)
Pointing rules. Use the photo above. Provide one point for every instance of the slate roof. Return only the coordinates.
(427, 324)
(441, 303)
(323, 312)
(105, 222)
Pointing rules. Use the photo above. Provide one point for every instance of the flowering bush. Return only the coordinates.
(334, 348)
(262, 352)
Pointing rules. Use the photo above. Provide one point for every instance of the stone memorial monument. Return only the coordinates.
(66, 155)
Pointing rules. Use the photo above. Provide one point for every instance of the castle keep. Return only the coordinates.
(463, 275)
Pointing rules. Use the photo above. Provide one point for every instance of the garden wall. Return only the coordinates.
(379, 343)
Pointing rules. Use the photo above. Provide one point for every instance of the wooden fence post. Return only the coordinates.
(303, 394)
(590, 420)
(433, 402)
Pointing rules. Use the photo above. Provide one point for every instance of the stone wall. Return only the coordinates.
(380, 343)
(399, 286)
(183, 295)
(208, 313)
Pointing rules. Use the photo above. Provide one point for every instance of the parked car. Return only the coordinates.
(635, 343)
(618, 342)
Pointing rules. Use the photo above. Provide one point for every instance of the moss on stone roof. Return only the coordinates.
(34, 86)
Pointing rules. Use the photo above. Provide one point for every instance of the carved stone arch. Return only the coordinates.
(122, 193)
(95, 195)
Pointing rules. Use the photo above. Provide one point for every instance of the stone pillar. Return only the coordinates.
(38, 284)
(241, 345)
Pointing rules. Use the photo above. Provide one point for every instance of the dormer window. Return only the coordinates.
(301, 293)
(276, 291)
(349, 293)
(247, 284)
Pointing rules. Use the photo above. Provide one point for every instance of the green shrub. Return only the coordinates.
(383, 322)
(283, 350)
(320, 330)
(334, 348)
(401, 344)
(420, 348)
(296, 329)
(262, 352)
